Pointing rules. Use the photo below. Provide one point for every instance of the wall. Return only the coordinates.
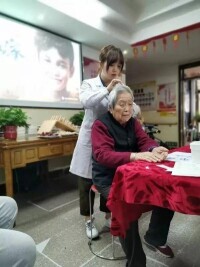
(90, 52)
(162, 74)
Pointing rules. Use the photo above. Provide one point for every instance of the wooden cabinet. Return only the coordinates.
(20, 157)
(17, 158)
(50, 150)
(1, 158)
(31, 154)
(68, 148)
(16, 154)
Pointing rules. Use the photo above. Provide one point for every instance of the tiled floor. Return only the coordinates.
(50, 214)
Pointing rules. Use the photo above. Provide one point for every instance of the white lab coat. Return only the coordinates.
(94, 97)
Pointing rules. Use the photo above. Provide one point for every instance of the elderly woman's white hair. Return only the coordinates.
(117, 90)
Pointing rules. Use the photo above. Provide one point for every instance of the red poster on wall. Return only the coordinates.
(167, 97)
(91, 68)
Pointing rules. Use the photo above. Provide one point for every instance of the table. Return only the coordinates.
(140, 185)
(16, 154)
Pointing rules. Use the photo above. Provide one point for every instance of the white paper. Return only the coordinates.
(168, 169)
(179, 156)
(186, 168)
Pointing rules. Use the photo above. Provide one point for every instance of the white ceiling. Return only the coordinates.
(123, 23)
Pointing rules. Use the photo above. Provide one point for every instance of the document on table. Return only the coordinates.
(179, 156)
(168, 169)
(186, 168)
(183, 165)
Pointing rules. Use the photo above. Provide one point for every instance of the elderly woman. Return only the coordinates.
(118, 138)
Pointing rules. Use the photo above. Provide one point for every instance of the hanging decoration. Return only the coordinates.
(135, 52)
(154, 46)
(144, 49)
(187, 37)
(164, 40)
(175, 38)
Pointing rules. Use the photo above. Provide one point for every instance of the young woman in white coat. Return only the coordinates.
(94, 97)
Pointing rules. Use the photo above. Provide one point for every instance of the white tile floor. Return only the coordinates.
(50, 214)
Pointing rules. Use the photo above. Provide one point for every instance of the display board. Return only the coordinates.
(145, 95)
(38, 68)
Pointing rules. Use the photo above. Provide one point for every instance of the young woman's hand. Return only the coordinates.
(113, 83)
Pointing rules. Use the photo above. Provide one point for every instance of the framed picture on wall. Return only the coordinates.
(145, 95)
(91, 68)
(167, 97)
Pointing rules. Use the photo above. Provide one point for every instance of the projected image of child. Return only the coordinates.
(56, 68)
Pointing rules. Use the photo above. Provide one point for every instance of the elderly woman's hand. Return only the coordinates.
(162, 151)
(148, 156)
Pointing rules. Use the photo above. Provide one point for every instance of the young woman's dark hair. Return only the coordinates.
(111, 55)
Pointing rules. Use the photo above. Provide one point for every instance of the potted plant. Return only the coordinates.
(10, 119)
(77, 118)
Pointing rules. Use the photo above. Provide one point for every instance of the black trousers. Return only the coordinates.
(84, 185)
(131, 244)
(156, 234)
(132, 247)
(159, 226)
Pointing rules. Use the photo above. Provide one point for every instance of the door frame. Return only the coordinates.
(181, 68)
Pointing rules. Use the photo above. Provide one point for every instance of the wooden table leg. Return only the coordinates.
(8, 173)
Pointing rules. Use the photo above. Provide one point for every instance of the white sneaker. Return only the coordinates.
(108, 223)
(91, 229)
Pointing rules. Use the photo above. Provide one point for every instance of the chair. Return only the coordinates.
(112, 257)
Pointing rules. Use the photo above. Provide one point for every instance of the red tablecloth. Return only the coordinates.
(137, 186)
